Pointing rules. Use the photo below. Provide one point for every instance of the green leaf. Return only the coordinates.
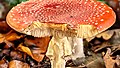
(22, 1)
(103, 1)
(12, 3)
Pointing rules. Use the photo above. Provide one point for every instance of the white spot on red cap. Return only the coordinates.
(18, 22)
(17, 10)
(11, 16)
(27, 13)
(11, 11)
(96, 23)
(107, 11)
(98, 15)
(25, 17)
(26, 23)
(85, 2)
(102, 20)
(21, 14)
(100, 27)
(103, 13)
(14, 19)
(86, 20)
(102, 4)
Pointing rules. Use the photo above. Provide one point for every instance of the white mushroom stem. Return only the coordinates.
(62, 48)
(58, 48)
(77, 47)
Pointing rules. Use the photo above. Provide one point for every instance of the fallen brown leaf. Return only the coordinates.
(100, 47)
(116, 37)
(3, 64)
(4, 28)
(10, 36)
(25, 49)
(4, 52)
(109, 62)
(106, 35)
(1, 38)
(115, 49)
(8, 44)
(18, 64)
(117, 60)
(41, 43)
(95, 60)
(16, 55)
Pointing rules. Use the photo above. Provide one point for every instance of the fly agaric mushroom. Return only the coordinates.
(67, 21)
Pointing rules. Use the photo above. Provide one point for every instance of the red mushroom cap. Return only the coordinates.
(71, 12)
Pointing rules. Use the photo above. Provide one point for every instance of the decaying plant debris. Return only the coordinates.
(101, 51)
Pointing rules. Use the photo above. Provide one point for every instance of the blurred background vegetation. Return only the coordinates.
(12, 3)
(6, 5)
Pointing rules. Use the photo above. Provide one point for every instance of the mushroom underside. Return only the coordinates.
(38, 29)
